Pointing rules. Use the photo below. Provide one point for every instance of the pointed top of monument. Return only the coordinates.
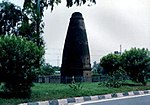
(76, 15)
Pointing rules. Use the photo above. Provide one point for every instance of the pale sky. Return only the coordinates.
(109, 24)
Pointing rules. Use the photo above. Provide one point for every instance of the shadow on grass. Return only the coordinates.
(10, 96)
(135, 84)
(5, 95)
(132, 84)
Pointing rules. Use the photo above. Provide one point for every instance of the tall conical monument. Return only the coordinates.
(76, 57)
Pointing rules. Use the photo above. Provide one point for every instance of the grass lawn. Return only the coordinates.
(47, 91)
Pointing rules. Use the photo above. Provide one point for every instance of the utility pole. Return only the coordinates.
(38, 22)
(120, 49)
(58, 61)
(38, 28)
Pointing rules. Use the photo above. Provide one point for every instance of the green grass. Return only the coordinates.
(41, 92)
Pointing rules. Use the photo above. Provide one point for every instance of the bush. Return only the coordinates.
(47, 69)
(110, 63)
(136, 62)
(19, 62)
(112, 66)
(75, 86)
(115, 80)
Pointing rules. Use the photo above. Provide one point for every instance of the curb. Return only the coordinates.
(71, 101)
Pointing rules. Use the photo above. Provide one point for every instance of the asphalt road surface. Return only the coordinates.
(143, 100)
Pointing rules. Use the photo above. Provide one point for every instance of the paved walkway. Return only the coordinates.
(72, 101)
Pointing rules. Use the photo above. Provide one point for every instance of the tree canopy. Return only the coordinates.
(51, 3)
(24, 22)
(10, 18)
(18, 64)
(136, 62)
(110, 63)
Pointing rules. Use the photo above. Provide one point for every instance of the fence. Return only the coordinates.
(48, 79)
(57, 79)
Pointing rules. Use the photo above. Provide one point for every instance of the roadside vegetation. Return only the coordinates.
(133, 64)
(46, 91)
(21, 60)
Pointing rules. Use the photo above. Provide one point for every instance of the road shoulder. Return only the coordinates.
(85, 99)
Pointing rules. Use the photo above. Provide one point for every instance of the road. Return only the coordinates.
(142, 100)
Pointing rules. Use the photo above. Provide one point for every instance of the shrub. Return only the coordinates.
(47, 69)
(115, 80)
(19, 62)
(136, 62)
(112, 66)
(75, 86)
(110, 63)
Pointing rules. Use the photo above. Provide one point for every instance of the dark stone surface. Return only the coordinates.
(101, 97)
(76, 57)
(125, 94)
(53, 102)
(146, 92)
(136, 92)
(71, 100)
(87, 98)
(32, 103)
(144, 100)
(114, 95)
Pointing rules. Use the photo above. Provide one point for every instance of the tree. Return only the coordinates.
(35, 11)
(110, 63)
(18, 64)
(70, 3)
(26, 23)
(10, 18)
(47, 69)
(136, 62)
(97, 69)
(15, 21)
(51, 3)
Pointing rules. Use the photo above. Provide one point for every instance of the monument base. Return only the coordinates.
(87, 76)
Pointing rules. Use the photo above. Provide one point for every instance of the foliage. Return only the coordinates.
(10, 18)
(111, 63)
(18, 64)
(34, 9)
(70, 3)
(75, 86)
(33, 25)
(26, 23)
(116, 80)
(51, 91)
(136, 62)
(56, 68)
(47, 69)
(112, 66)
(97, 69)
(51, 3)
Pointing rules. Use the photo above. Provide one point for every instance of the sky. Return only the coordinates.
(109, 24)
